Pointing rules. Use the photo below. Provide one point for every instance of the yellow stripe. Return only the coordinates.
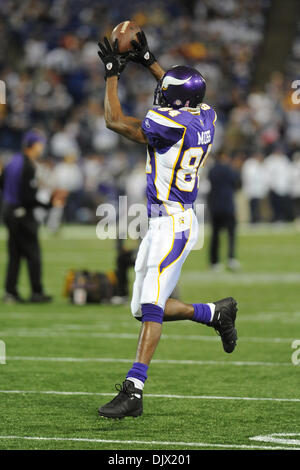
(183, 247)
(206, 155)
(174, 166)
(156, 172)
(214, 121)
(158, 291)
(177, 202)
(157, 192)
(155, 159)
(164, 204)
(148, 159)
(160, 273)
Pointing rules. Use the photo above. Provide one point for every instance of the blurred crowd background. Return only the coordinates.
(54, 82)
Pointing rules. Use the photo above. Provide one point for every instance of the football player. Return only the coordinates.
(178, 132)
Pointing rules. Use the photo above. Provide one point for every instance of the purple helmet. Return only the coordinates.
(180, 86)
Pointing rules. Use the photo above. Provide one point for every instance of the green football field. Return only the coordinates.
(62, 361)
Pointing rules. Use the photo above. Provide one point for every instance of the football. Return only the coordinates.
(125, 32)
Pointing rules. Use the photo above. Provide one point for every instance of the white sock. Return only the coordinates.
(212, 310)
(137, 383)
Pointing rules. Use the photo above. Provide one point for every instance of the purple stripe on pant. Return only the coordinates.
(179, 243)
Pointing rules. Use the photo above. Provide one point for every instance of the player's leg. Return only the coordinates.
(171, 243)
(129, 400)
(150, 330)
(176, 310)
(148, 340)
(140, 269)
(220, 315)
(164, 257)
(160, 280)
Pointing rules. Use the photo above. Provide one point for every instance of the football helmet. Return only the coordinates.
(181, 86)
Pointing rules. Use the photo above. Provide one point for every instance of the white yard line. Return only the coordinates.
(52, 332)
(151, 395)
(279, 438)
(258, 317)
(240, 278)
(155, 361)
(80, 232)
(156, 443)
(79, 311)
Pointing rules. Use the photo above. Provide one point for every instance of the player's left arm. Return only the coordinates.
(143, 55)
(116, 120)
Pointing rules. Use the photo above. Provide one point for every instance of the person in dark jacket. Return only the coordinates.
(224, 180)
(19, 193)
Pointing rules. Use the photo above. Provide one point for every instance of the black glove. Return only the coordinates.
(113, 62)
(141, 52)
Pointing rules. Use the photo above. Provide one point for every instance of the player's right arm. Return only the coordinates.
(115, 119)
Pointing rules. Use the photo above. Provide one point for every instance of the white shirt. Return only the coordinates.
(295, 180)
(68, 176)
(254, 179)
(279, 173)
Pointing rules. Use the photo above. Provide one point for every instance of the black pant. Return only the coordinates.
(22, 243)
(296, 207)
(255, 210)
(219, 222)
(281, 207)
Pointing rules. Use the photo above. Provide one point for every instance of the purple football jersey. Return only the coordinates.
(179, 142)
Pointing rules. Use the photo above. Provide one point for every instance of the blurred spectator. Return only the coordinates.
(20, 197)
(224, 180)
(254, 184)
(295, 185)
(136, 184)
(67, 174)
(68, 177)
(54, 77)
(54, 80)
(279, 174)
(63, 142)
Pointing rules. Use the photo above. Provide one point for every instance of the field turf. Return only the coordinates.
(63, 360)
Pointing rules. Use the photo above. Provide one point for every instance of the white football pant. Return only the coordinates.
(160, 258)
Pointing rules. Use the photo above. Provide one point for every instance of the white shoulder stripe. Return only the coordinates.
(162, 120)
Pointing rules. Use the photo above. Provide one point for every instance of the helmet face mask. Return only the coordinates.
(159, 99)
(181, 86)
